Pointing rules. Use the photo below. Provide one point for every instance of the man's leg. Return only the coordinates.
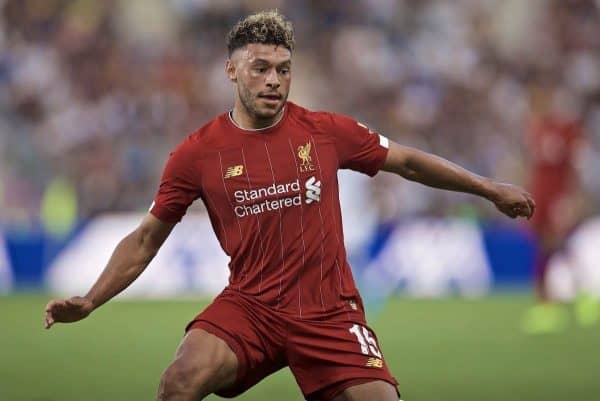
(546, 316)
(203, 364)
(377, 390)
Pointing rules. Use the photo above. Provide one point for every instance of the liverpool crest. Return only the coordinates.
(305, 158)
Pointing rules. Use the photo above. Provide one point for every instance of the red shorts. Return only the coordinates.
(325, 356)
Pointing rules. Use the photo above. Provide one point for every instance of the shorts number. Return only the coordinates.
(366, 341)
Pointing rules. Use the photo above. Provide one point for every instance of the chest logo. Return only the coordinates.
(313, 190)
(234, 171)
(305, 158)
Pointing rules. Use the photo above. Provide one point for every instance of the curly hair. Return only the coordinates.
(267, 27)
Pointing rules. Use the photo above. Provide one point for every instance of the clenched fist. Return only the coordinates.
(513, 201)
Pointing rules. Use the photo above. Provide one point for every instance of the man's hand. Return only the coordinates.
(513, 201)
(67, 310)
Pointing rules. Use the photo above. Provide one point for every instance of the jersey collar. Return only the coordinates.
(258, 130)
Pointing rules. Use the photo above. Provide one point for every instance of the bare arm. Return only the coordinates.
(434, 171)
(128, 261)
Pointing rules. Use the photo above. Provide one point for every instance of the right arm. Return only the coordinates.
(436, 172)
(177, 190)
(129, 259)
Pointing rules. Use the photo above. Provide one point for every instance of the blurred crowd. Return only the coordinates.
(94, 94)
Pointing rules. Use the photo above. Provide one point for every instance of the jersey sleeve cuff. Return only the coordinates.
(382, 157)
(164, 214)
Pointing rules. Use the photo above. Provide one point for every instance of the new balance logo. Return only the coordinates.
(234, 171)
(374, 363)
(313, 190)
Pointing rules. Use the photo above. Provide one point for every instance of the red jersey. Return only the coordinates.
(553, 145)
(272, 198)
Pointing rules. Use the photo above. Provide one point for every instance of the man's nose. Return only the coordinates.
(272, 79)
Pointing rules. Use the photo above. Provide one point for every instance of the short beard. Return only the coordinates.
(248, 100)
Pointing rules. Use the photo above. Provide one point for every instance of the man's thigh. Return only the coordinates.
(207, 359)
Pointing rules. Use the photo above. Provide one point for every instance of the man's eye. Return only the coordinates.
(284, 71)
(260, 69)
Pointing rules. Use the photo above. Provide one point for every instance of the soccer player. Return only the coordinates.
(555, 140)
(267, 173)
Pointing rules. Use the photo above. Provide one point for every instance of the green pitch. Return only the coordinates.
(452, 350)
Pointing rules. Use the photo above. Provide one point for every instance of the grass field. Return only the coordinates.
(453, 350)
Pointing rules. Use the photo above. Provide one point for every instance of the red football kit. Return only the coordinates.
(272, 198)
(553, 145)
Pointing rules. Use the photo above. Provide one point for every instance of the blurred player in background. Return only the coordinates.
(267, 173)
(555, 139)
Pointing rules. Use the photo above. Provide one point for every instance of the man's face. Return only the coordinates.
(262, 74)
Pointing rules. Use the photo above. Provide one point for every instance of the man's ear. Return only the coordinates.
(230, 70)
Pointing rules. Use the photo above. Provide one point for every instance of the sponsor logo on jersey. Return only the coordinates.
(313, 190)
(234, 171)
(305, 158)
(259, 200)
(256, 201)
(374, 363)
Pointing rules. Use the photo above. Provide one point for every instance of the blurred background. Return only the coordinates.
(94, 95)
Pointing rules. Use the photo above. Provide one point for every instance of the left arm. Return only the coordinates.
(434, 171)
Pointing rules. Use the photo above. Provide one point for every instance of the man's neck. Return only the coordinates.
(243, 120)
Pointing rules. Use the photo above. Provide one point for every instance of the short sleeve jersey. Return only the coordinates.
(272, 198)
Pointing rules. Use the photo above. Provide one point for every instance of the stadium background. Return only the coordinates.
(93, 96)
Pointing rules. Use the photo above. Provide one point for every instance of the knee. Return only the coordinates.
(182, 381)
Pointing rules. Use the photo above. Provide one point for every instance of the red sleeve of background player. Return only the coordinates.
(358, 147)
(178, 187)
